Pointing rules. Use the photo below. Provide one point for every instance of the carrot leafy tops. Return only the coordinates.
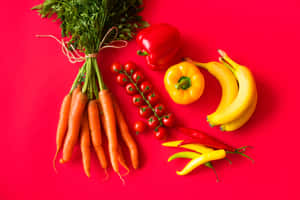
(87, 21)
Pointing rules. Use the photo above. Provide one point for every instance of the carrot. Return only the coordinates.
(122, 159)
(126, 136)
(110, 126)
(62, 124)
(85, 143)
(74, 93)
(120, 153)
(74, 126)
(96, 135)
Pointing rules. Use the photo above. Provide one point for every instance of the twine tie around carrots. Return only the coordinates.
(74, 56)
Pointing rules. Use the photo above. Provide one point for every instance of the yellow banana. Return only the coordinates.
(236, 124)
(227, 81)
(244, 98)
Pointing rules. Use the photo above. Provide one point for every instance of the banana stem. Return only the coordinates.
(227, 65)
(198, 64)
(227, 59)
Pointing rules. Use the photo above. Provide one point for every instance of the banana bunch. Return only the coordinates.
(239, 93)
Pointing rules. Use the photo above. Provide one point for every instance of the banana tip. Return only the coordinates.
(179, 173)
(221, 52)
(210, 124)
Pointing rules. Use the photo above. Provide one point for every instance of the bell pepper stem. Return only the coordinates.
(183, 83)
(142, 53)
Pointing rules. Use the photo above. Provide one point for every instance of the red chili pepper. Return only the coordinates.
(205, 139)
(160, 44)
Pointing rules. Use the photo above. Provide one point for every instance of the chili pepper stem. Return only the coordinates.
(215, 172)
(242, 154)
(230, 162)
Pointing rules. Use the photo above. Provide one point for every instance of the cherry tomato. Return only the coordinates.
(160, 133)
(139, 127)
(122, 79)
(145, 111)
(153, 122)
(153, 98)
(137, 77)
(160, 109)
(169, 120)
(137, 100)
(130, 89)
(129, 67)
(146, 87)
(116, 67)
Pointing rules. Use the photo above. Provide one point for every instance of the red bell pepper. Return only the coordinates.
(160, 43)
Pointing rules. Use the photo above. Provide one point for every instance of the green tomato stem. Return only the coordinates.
(144, 98)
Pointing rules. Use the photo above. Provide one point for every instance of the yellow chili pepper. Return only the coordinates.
(184, 154)
(174, 143)
(204, 158)
(195, 147)
(184, 82)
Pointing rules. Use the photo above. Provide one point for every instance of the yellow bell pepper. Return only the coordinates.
(184, 82)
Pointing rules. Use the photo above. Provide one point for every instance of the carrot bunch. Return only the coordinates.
(87, 108)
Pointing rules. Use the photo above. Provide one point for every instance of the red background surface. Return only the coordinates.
(35, 76)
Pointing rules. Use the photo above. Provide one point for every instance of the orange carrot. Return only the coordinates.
(120, 153)
(126, 136)
(74, 93)
(122, 159)
(110, 126)
(85, 143)
(96, 135)
(73, 126)
(62, 124)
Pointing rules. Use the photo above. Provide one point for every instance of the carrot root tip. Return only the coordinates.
(106, 175)
(54, 162)
(121, 178)
(126, 173)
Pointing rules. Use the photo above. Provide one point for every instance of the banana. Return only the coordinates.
(239, 122)
(244, 98)
(226, 79)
